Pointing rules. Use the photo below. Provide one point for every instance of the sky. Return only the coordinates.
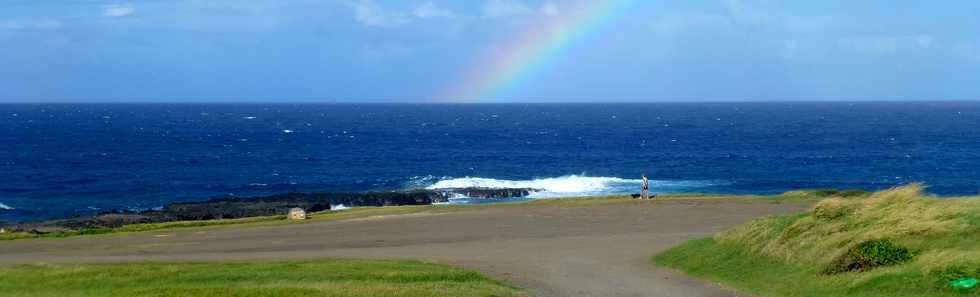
(488, 50)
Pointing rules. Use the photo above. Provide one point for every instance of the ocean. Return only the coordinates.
(61, 160)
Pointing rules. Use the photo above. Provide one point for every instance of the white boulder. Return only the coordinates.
(297, 214)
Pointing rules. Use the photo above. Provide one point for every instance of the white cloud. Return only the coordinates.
(768, 25)
(368, 13)
(119, 10)
(550, 9)
(504, 8)
(738, 16)
(430, 10)
(769, 16)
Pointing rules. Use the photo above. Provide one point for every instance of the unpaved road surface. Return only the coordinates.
(552, 250)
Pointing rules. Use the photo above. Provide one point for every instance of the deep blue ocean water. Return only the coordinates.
(63, 160)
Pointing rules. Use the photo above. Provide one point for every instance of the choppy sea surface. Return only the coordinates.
(59, 160)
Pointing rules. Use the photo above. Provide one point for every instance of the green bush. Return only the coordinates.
(825, 192)
(854, 193)
(869, 255)
(883, 252)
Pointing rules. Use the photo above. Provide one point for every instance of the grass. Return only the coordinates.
(737, 267)
(309, 278)
(362, 212)
(799, 255)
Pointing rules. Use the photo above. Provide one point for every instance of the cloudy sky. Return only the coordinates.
(416, 50)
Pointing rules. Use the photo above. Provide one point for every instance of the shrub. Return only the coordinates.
(883, 252)
(869, 255)
(854, 193)
(825, 192)
(838, 193)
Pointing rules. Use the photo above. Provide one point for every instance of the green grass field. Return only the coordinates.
(309, 278)
(931, 241)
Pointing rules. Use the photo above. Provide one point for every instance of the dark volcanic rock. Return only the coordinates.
(108, 220)
(485, 193)
(232, 208)
(227, 208)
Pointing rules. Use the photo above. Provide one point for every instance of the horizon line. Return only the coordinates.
(490, 103)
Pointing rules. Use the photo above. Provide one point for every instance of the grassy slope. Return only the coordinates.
(362, 212)
(785, 256)
(313, 278)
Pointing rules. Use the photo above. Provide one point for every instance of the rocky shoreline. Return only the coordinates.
(235, 208)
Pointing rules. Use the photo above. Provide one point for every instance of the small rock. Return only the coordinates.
(297, 214)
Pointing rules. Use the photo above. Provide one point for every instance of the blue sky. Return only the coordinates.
(413, 50)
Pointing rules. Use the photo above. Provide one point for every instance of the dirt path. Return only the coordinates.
(554, 250)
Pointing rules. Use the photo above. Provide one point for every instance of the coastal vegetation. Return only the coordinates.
(307, 278)
(898, 242)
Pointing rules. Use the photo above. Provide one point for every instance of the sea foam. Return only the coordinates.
(564, 184)
(6, 207)
(570, 185)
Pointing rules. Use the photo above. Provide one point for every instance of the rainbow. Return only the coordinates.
(521, 58)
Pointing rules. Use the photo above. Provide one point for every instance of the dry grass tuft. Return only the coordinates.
(945, 232)
(833, 208)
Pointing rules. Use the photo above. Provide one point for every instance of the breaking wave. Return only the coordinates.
(6, 207)
(571, 185)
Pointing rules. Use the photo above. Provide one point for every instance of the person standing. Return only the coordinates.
(645, 188)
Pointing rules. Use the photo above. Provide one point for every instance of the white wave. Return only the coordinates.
(338, 207)
(457, 196)
(572, 185)
(6, 207)
(420, 181)
(565, 184)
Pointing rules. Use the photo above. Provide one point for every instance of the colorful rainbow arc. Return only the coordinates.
(523, 57)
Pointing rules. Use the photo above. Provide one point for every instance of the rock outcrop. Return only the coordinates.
(282, 204)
